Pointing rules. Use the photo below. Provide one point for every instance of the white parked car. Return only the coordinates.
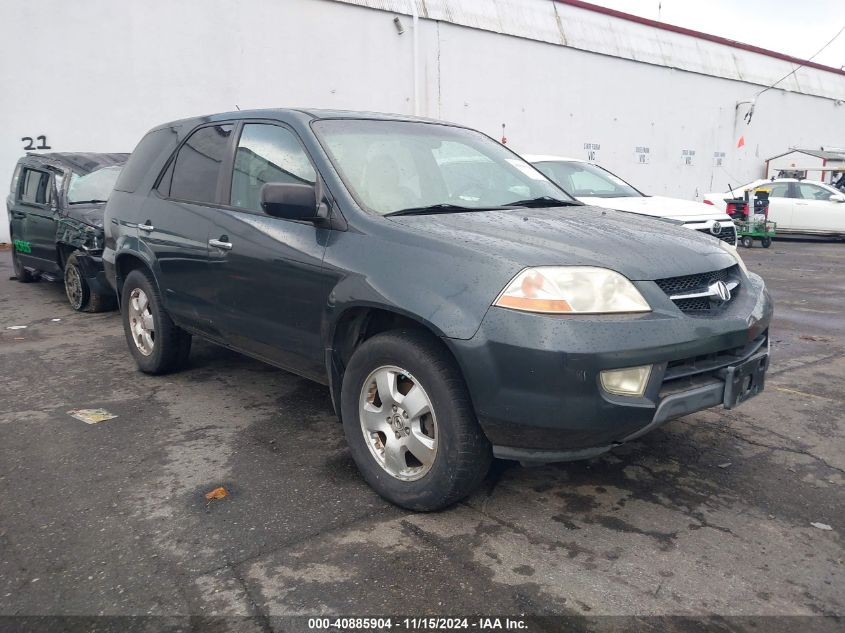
(595, 185)
(798, 206)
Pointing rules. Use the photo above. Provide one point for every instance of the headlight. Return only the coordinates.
(733, 252)
(571, 289)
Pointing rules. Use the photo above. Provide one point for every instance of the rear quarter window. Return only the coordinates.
(150, 153)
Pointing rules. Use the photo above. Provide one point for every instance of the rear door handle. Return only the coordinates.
(18, 215)
(226, 246)
(146, 227)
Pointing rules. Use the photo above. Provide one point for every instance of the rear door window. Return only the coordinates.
(35, 187)
(267, 153)
(196, 170)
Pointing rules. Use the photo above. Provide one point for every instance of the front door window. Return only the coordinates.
(35, 188)
(267, 153)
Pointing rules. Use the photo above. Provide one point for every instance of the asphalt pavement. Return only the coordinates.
(721, 515)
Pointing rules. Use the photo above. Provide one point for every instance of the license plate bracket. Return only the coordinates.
(745, 380)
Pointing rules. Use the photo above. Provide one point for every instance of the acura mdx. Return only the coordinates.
(457, 303)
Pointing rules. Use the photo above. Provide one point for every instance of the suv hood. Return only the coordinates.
(88, 213)
(637, 247)
(661, 207)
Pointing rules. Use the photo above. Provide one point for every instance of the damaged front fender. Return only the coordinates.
(79, 236)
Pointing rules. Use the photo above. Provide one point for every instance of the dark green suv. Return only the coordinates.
(55, 206)
(457, 303)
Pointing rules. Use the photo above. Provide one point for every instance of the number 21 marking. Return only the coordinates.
(30, 142)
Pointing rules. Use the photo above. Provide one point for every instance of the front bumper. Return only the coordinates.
(534, 379)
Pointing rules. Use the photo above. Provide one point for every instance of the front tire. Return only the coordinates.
(747, 242)
(155, 342)
(79, 293)
(410, 424)
(766, 242)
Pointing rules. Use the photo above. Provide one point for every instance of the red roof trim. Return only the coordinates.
(698, 34)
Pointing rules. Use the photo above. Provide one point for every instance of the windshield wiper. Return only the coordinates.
(87, 201)
(543, 201)
(439, 208)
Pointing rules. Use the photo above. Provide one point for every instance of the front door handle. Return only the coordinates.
(18, 215)
(146, 227)
(221, 243)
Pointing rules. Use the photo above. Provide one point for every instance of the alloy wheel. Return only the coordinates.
(141, 322)
(398, 423)
(73, 287)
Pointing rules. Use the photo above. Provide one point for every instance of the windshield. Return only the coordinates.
(93, 187)
(394, 166)
(585, 180)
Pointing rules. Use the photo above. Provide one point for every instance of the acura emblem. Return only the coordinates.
(715, 230)
(720, 289)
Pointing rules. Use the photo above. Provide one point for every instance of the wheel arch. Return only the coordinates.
(125, 263)
(358, 323)
(65, 249)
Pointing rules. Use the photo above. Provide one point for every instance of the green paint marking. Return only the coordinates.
(23, 247)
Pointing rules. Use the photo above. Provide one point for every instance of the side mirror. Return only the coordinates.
(291, 201)
(837, 197)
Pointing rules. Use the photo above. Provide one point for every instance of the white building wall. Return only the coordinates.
(101, 73)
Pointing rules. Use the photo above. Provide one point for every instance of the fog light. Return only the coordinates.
(630, 381)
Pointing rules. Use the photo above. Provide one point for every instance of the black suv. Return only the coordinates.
(457, 303)
(55, 207)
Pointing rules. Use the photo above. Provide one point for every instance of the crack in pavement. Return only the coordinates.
(441, 544)
(768, 446)
(291, 543)
(262, 618)
(796, 363)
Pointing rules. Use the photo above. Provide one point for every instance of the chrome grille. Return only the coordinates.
(687, 283)
(699, 283)
(692, 305)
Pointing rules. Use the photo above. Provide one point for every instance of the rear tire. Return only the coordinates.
(766, 242)
(157, 344)
(79, 293)
(21, 273)
(456, 454)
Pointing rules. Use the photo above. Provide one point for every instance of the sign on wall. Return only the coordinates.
(718, 159)
(592, 150)
(687, 156)
(642, 155)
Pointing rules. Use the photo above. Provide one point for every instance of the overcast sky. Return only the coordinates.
(794, 27)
